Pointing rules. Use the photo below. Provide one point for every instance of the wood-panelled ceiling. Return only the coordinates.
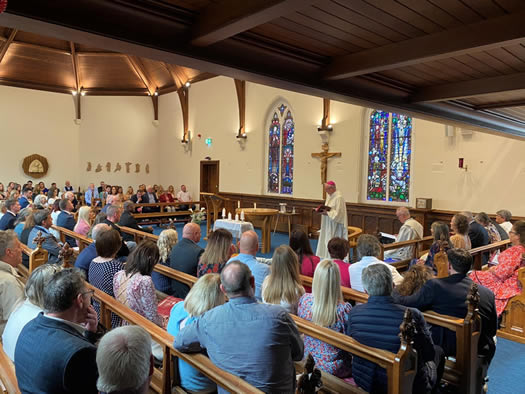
(462, 60)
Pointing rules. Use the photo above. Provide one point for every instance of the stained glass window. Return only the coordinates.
(377, 156)
(388, 175)
(281, 151)
(400, 158)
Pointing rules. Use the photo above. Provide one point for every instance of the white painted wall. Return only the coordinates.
(120, 129)
(115, 129)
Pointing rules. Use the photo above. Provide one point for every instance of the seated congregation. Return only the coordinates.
(244, 312)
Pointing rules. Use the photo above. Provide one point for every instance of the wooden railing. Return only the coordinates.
(458, 372)
(417, 246)
(477, 253)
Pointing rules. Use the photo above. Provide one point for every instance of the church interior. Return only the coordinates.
(400, 103)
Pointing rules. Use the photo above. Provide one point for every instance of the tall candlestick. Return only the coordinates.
(229, 216)
(223, 213)
(238, 204)
(254, 205)
(236, 217)
(242, 215)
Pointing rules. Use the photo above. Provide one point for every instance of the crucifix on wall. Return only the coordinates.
(324, 156)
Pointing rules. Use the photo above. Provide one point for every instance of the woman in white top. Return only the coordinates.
(283, 285)
(30, 308)
(503, 217)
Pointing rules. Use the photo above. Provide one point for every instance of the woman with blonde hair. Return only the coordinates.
(168, 196)
(129, 193)
(167, 240)
(83, 223)
(205, 294)
(326, 308)
(283, 285)
(218, 251)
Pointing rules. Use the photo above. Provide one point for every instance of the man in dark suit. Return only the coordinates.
(113, 216)
(65, 219)
(185, 257)
(55, 352)
(102, 188)
(7, 222)
(447, 296)
(127, 220)
(476, 232)
(149, 198)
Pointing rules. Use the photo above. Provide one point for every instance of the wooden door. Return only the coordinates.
(210, 176)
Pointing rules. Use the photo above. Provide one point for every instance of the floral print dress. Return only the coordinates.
(327, 358)
(502, 279)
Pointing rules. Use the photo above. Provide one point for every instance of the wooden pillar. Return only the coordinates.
(184, 104)
(240, 87)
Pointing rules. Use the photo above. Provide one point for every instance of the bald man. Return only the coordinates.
(411, 229)
(265, 342)
(185, 257)
(248, 247)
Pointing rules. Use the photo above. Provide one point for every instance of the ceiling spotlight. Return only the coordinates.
(156, 93)
(74, 92)
(187, 84)
(330, 127)
(83, 92)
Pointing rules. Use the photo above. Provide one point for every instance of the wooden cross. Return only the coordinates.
(65, 255)
(39, 240)
(324, 156)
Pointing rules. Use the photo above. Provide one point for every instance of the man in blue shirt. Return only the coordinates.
(257, 342)
(248, 246)
(24, 200)
(90, 194)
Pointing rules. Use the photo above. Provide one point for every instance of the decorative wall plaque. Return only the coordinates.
(35, 166)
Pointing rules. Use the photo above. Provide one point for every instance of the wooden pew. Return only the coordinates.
(37, 257)
(163, 214)
(513, 319)
(82, 240)
(163, 379)
(458, 372)
(477, 253)
(8, 382)
(417, 250)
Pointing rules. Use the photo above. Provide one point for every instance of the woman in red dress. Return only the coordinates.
(502, 279)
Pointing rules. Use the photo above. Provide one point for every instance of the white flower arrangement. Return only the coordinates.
(198, 216)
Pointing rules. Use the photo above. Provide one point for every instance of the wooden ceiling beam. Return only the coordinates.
(141, 72)
(7, 43)
(476, 87)
(74, 63)
(35, 86)
(226, 18)
(487, 34)
(101, 53)
(500, 104)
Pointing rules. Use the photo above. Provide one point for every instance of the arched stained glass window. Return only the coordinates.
(388, 177)
(281, 151)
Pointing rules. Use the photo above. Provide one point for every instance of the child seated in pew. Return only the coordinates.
(205, 294)
(414, 280)
(338, 249)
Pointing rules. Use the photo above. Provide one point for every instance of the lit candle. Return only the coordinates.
(236, 217)
(242, 215)
(223, 213)
(229, 216)
(238, 204)
(254, 205)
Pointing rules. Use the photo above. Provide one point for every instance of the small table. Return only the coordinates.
(235, 227)
(265, 215)
(288, 216)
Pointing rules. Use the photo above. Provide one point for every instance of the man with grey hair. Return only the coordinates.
(150, 198)
(90, 252)
(376, 323)
(43, 223)
(410, 229)
(265, 360)
(124, 361)
(11, 285)
(55, 352)
(368, 251)
(112, 218)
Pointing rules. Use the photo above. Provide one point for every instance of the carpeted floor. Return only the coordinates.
(506, 369)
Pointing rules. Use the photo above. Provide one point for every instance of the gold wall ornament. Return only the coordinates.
(35, 166)
(118, 167)
(99, 168)
(137, 167)
(108, 166)
(147, 168)
(88, 166)
(128, 164)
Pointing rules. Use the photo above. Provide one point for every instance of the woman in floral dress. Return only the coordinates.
(326, 308)
(502, 279)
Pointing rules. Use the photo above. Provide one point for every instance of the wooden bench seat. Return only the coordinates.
(513, 318)
(418, 249)
(8, 382)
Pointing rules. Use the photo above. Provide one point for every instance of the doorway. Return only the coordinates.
(209, 176)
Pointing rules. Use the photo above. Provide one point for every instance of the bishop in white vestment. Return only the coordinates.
(334, 223)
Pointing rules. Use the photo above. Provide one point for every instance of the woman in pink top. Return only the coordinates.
(82, 227)
(338, 249)
(301, 246)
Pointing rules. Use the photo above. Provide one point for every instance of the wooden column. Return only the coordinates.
(240, 87)
(326, 114)
(184, 105)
